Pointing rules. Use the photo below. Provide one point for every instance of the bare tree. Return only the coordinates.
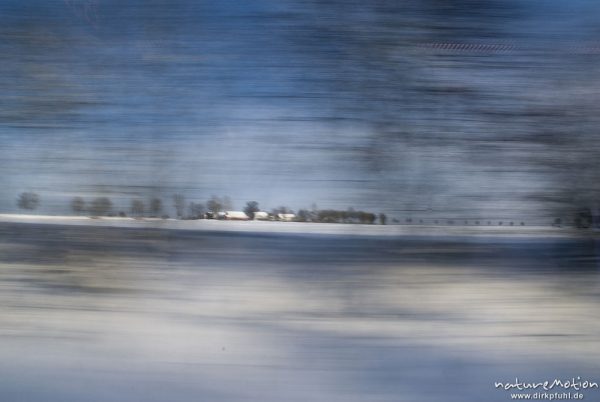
(100, 206)
(214, 204)
(196, 210)
(227, 204)
(78, 205)
(155, 206)
(218, 204)
(303, 215)
(137, 208)
(28, 201)
(251, 208)
(179, 204)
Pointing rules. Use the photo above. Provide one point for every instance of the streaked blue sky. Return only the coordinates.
(289, 103)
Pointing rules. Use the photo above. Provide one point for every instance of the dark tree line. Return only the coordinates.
(336, 216)
(103, 206)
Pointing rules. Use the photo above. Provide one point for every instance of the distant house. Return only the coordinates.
(286, 217)
(261, 216)
(236, 216)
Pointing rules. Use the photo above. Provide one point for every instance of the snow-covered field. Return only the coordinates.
(295, 227)
(91, 313)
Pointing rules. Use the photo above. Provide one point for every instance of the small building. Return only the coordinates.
(236, 216)
(261, 216)
(286, 217)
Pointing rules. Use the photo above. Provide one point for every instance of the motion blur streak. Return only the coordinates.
(117, 314)
(286, 200)
(441, 108)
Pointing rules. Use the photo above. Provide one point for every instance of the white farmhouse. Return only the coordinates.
(261, 216)
(236, 216)
(286, 217)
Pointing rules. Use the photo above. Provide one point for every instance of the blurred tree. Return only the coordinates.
(382, 218)
(328, 216)
(250, 208)
(155, 207)
(584, 219)
(217, 204)
(179, 204)
(336, 216)
(363, 217)
(137, 208)
(196, 210)
(100, 206)
(371, 218)
(303, 215)
(78, 205)
(227, 204)
(214, 205)
(28, 201)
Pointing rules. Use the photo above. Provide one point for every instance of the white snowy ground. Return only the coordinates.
(185, 317)
(295, 227)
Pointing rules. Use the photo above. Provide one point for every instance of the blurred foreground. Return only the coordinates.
(130, 314)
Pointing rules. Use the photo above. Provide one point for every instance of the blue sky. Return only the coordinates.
(283, 102)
